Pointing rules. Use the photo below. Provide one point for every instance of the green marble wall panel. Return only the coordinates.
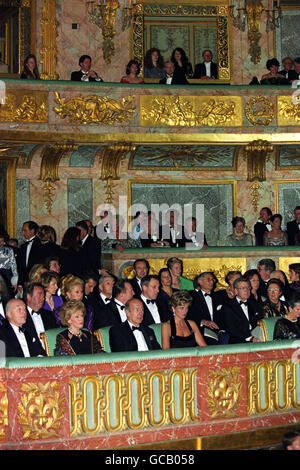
(22, 204)
(217, 200)
(288, 34)
(289, 155)
(288, 198)
(84, 156)
(80, 200)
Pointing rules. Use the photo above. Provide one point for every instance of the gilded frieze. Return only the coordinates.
(3, 411)
(224, 393)
(93, 109)
(288, 112)
(41, 410)
(259, 111)
(25, 106)
(191, 111)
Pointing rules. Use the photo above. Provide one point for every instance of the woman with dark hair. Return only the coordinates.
(253, 276)
(238, 236)
(273, 77)
(30, 69)
(183, 67)
(132, 71)
(154, 64)
(276, 236)
(273, 306)
(48, 246)
(70, 259)
(288, 326)
(228, 293)
(294, 274)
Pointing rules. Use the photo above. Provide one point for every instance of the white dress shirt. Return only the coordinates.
(169, 80)
(121, 310)
(153, 309)
(209, 304)
(207, 66)
(38, 322)
(22, 340)
(28, 248)
(2, 313)
(103, 298)
(142, 345)
(245, 310)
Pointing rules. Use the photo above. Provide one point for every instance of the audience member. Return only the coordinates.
(133, 334)
(91, 228)
(48, 246)
(74, 340)
(291, 440)
(28, 250)
(296, 75)
(273, 77)
(152, 236)
(37, 317)
(30, 68)
(8, 265)
(172, 230)
(153, 309)
(178, 332)
(175, 267)
(19, 341)
(100, 299)
(238, 314)
(205, 309)
(85, 74)
(53, 302)
(294, 274)
(262, 225)
(183, 68)
(228, 293)
(141, 268)
(288, 327)
(165, 284)
(114, 311)
(70, 257)
(287, 290)
(238, 236)
(35, 273)
(52, 264)
(255, 281)
(72, 288)
(138, 226)
(292, 227)
(122, 239)
(275, 236)
(172, 78)
(207, 69)
(154, 64)
(265, 267)
(90, 251)
(287, 70)
(132, 71)
(5, 296)
(273, 306)
(193, 238)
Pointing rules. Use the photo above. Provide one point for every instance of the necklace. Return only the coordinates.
(78, 335)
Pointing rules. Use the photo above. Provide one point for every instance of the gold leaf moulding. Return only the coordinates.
(25, 107)
(288, 112)
(191, 111)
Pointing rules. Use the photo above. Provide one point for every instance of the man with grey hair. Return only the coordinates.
(239, 314)
(100, 299)
(265, 267)
(20, 341)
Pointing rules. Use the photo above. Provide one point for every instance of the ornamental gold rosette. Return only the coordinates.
(93, 109)
(259, 111)
(41, 410)
(191, 111)
(224, 392)
(288, 111)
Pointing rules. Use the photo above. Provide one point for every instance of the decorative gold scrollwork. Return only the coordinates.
(254, 9)
(41, 410)
(224, 392)
(288, 112)
(3, 411)
(95, 109)
(22, 107)
(257, 153)
(259, 111)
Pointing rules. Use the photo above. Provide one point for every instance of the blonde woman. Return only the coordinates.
(72, 288)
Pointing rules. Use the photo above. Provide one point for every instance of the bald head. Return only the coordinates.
(135, 311)
(16, 312)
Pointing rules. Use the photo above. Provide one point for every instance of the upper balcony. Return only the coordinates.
(48, 111)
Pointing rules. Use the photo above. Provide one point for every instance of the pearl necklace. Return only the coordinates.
(78, 335)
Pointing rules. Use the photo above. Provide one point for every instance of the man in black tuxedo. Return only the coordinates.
(29, 250)
(90, 251)
(154, 311)
(287, 70)
(141, 268)
(205, 309)
(265, 267)
(133, 334)
(38, 318)
(172, 77)
(262, 225)
(192, 238)
(207, 69)
(293, 227)
(239, 314)
(173, 231)
(296, 74)
(115, 310)
(19, 340)
(99, 300)
(85, 74)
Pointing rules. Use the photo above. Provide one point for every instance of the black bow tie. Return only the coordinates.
(150, 301)
(244, 303)
(107, 299)
(121, 306)
(136, 328)
(207, 295)
(22, 329)
(35, 311)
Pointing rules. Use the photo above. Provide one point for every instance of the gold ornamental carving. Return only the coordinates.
(273, 386)
(93, 109)
(41, 410)
(48, 50)
(288, 112)
(51, 157)
(123, 402)
(111, 157)
(224, 393)
(254, 191)
(3, 411)
(21, 106)
(254, 9)
(191, 111)
(259, 111)
(257, 153)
